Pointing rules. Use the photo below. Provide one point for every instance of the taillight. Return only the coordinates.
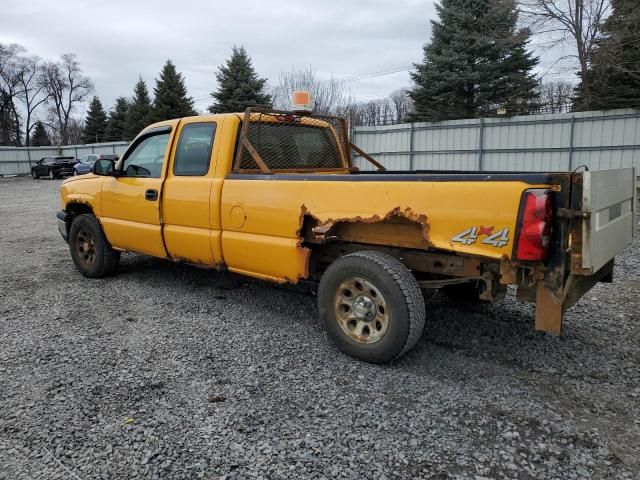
(535, 225)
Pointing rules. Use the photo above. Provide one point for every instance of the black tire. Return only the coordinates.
(52, 175)
(34, 174)
(465, 292)
(390, 282)
(90, 251)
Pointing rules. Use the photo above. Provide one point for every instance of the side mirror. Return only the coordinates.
(104, 167)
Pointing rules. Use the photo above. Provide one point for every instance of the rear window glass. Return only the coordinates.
(292, 146)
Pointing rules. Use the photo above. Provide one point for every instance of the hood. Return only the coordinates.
(79, 178)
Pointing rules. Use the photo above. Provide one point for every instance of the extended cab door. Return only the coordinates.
(131, 201)
(190, 211)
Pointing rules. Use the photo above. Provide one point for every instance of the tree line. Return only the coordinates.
(28, 85)
(477, 63)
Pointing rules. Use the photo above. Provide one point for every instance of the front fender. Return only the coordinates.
(83, 191)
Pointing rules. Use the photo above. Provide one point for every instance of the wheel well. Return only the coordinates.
(75, 209)
(422, 263)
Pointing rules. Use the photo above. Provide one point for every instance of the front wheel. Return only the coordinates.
(90, 251)
(34, 174)
(371, 306)
(52, 176)
(75, 173)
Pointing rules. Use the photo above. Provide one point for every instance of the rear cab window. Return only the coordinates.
(293, 143)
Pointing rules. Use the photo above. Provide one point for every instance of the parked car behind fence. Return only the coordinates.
(53, 167)
(85, 163)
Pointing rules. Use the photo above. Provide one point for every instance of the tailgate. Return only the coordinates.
(609, 199)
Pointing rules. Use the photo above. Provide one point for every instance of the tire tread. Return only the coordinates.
(110, 257)
(407, 284)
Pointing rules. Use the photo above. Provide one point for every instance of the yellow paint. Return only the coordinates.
(83, 189)
(273, 212)
(189, 230)
(252, 226)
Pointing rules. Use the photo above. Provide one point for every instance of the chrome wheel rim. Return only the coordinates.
(361, 310)
(85, 248)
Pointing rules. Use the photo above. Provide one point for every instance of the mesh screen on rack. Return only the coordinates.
(285, 141)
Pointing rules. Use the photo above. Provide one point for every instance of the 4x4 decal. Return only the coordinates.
(470, 236)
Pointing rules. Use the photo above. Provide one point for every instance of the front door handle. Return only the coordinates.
(151, 195)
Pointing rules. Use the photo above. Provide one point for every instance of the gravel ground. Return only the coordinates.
(170, 371)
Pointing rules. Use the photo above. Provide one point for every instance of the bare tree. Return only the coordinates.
(328, 96)
(577, 21)
(402, 104)
(33, 90)
(74, 131)
(556, 97)
(66, 87)
(373, 113)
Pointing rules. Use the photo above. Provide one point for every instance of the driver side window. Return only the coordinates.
(147, 157)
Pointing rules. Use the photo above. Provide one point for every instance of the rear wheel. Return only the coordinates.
(371, 306)
(51, 174)
(90, 251)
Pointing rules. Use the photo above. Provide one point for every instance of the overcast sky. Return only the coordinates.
(118, 40)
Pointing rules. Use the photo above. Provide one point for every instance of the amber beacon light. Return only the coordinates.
(301, 102)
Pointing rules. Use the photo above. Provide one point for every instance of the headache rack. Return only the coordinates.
(273, 141)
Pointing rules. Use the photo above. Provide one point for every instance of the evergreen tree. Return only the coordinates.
(10, 131)
(139, 111)
(171, 100)
(95, 125)
(117, 122)
(239, 86)
(477, 62)
(40, 137)
(614, 72)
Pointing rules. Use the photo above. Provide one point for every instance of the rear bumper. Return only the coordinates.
(63, 223)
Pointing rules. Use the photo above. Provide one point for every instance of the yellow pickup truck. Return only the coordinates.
(276, 196)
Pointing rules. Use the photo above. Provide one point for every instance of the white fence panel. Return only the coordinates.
(601, 140)
(561, 142)
(18, 160)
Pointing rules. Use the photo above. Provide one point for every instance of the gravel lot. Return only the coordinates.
(170, 371)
